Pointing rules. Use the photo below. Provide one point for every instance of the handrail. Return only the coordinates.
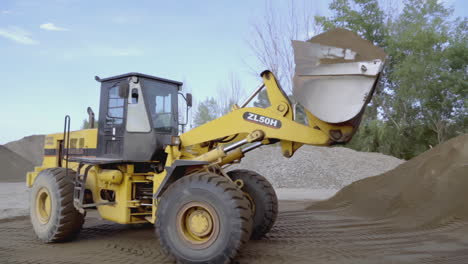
(66, 139)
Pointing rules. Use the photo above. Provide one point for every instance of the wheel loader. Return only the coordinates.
(136, 167)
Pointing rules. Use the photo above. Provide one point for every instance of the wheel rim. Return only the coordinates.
(43, 206)
(198, 224)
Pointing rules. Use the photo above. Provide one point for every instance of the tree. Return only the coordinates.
(228, 95)
(430, 80)
(206, 111)
(272, 35)
(365, 17)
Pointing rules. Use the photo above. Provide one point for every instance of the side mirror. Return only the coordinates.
(123, 89)
(188, 97)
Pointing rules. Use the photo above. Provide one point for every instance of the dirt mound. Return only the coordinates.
(14, 167)
(31, 148)
(317, 167)
(428, 191)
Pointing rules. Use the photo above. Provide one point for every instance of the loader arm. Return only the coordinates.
(254, 124)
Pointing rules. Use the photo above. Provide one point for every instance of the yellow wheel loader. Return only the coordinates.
(135, 167)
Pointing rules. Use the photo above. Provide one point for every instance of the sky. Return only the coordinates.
(51, 50)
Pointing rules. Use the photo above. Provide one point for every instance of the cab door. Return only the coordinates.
(111, 121)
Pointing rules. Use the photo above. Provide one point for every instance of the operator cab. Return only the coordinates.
(138, 116)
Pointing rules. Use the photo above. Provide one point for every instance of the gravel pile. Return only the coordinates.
(31, 148)
(316, 167)
(14, 167)
(310, 167)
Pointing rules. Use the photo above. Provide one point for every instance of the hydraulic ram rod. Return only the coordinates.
(235, 145)
(247, 101)
(251, 147)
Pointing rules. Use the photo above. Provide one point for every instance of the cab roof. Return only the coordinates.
(130, 74)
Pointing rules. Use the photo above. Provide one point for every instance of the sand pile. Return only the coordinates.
(31, 148)
(428, 191)
(316, 167)
(14, 167)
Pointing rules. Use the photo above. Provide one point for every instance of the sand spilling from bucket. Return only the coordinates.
(14, 167)
(427, 191)
(31, 148)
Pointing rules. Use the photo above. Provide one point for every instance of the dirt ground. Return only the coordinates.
(299, 236)
(415, 213)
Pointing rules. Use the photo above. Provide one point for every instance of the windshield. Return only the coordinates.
(161, 99)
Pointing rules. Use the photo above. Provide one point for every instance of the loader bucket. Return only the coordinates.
(336, 74)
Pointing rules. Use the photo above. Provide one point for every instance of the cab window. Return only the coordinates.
(115, 107)
(161, 102)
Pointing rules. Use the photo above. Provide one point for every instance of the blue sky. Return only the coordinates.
(51, 50)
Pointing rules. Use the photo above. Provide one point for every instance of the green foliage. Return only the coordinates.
(206, 111)
(367, 19)
(424, 89)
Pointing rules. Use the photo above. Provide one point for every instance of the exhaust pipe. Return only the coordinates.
(90, 117)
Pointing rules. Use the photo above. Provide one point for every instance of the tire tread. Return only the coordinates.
(262, 185)
(68, 221)
(231, 196)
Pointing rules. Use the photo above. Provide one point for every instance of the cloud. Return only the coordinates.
(6, 12)
(17, 35)
(52, 27)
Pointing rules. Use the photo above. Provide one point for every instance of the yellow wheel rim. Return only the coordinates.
(198, 224)
(43, 205)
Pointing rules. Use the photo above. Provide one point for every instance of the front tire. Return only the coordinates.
(203, 218)
(53, 215)
(263, 198)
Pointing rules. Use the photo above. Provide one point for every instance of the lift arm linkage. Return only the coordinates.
(276, 123)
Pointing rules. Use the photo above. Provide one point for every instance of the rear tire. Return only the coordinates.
(260, 192)
(203, 218)
(53, 215)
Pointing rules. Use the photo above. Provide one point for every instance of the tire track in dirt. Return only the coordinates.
(320, 236)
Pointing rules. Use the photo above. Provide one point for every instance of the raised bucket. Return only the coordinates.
(336, 74)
